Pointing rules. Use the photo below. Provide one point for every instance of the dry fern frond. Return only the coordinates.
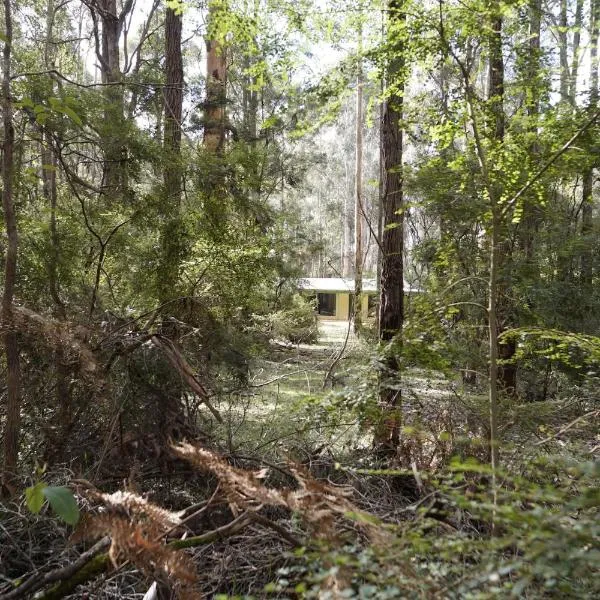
(241, 488)
(136, 508)
(57, 334)
(318, 503)
(135, 527)
(130, 542)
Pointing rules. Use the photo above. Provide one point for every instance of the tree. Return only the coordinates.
(358, 195)
(172, 234)
(115, 177)
(216, 79)
(391, 309)
(588, 174)
(11, 348)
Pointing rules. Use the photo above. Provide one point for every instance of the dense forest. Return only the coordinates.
(178, 418)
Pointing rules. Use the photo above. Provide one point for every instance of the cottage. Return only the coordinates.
(335, 296)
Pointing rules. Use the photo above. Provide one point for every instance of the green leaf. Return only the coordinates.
(34, 496)
(67, 110)
(63, 503)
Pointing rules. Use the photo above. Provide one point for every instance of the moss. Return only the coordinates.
(97, 565)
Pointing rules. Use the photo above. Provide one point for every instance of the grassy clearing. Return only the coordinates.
(286, 405)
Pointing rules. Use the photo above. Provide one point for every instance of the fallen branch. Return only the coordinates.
(282, 531)
(592, 413)
(35, 582)
(338, 357)
(91, 564)
(182, 366)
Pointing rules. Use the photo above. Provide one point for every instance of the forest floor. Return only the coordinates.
(307, 396)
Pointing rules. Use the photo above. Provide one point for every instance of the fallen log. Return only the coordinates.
(94, 562)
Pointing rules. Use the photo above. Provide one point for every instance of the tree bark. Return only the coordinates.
(358, 200)
(576, 52)
(531, 213)
(507, 373)
(115, 179)
(587, 200)
(171, 233)
(216, 82)
(391, 309)
(9, 335)
(563, 51)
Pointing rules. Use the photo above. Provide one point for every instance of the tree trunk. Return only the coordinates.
(11, 348)
(348, 223)
(358, 200)
(563, 51)
(576, 47)
(115, 179)
(507, 373)
(381, 187)
(587, 200)
(216, 82)
(532, 57)
(391, 308)
(171, 234)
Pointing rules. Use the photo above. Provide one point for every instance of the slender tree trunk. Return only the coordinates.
(507, 373)
(498, 311)
(115, 177)
(216, 82)
(171, 233)
(587, 258)
(563, 51)
(381, 190)
(173, 107)
(576, 52)
(49, 169)
(532, 100)
(9, 335)
(391, 309)
(358, 199)
(493, 347)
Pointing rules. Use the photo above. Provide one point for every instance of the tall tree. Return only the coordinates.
(507, 373)
(358, 199)
(216, 80)
(494, 189)
(588, 174)
(11, 348)
(49, 169)
(563, 50)
(115, 176)
(171, 236)
(391, 307)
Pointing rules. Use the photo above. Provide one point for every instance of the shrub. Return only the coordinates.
(296, 322)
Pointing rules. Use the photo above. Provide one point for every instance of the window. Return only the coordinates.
(373, 305)
(326, 304)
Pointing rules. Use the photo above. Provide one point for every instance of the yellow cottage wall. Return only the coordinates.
(342, 306)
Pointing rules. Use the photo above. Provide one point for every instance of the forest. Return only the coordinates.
(300, 299)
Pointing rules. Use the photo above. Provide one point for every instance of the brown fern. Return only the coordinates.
(243, 489)
(136, 508)
(318, 503)
(136, 527)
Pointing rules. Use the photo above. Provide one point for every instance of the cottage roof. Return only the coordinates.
(335, 284)
(341, 284)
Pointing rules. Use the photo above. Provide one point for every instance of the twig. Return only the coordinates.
(35, 582)
(338, 357)
(592, 413)
(72, 576)
(182, 366)
(284, 533)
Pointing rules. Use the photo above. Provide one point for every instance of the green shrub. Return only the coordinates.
(296, 322)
